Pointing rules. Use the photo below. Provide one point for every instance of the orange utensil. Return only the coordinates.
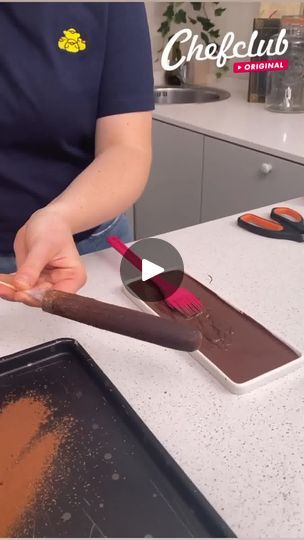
(286, 224)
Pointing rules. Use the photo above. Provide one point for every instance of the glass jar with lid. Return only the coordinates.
(285, 89)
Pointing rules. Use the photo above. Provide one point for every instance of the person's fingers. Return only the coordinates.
(71, 276)
(71, 283)
(29, 272)
(29, 298)
(7, 279)
(7, 289)
(19, 248)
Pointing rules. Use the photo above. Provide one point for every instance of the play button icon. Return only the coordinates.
(157, 270)
(150, 270)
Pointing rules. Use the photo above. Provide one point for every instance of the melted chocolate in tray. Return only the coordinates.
(238, 345)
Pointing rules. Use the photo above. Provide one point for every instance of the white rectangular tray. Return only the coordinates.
(232, 386)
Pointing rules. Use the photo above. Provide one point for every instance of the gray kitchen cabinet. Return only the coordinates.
(130, 217)
(172, 198)
(237, 179)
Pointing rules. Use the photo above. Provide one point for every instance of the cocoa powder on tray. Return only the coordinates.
(29, 443)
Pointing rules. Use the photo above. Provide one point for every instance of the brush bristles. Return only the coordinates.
(185, 303)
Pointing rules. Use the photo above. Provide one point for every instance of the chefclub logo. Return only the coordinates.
(71, 41)
(247, 67)
(229, 49)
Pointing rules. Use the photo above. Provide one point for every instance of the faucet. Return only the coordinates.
(180, 75)
(182, 72)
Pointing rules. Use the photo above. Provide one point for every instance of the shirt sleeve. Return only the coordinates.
(127, 78)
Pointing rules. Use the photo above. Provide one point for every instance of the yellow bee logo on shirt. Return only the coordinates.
(71, 41)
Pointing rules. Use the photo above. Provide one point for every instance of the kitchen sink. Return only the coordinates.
(188, 94)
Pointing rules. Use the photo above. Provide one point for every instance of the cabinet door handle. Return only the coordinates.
(266, 168)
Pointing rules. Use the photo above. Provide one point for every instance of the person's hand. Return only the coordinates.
(46, 257)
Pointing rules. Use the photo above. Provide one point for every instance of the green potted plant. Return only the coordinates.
(202, 15)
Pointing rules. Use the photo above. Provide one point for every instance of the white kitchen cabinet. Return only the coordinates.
(237, 179)
(172, 198)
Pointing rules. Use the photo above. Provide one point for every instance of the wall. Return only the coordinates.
(278, 9)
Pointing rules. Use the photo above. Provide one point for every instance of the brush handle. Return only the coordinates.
(126, 252)
(164, 286)
(128, 322)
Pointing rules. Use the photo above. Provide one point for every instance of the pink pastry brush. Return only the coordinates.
(179, 299)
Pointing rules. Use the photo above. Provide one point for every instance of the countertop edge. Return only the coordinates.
(245, 143)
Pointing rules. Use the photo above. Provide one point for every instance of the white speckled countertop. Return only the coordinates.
(237, 121)
(245, 453)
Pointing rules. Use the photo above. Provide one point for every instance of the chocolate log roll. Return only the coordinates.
(128, 322)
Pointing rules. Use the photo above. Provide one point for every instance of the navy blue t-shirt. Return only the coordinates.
(62, 66)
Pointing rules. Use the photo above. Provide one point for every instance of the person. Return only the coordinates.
(75, 135)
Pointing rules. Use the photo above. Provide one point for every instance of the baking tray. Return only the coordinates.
(150, 496)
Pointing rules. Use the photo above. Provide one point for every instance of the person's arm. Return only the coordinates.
(117, 176)
(107, 187)
(115, 179)
(45, 250)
